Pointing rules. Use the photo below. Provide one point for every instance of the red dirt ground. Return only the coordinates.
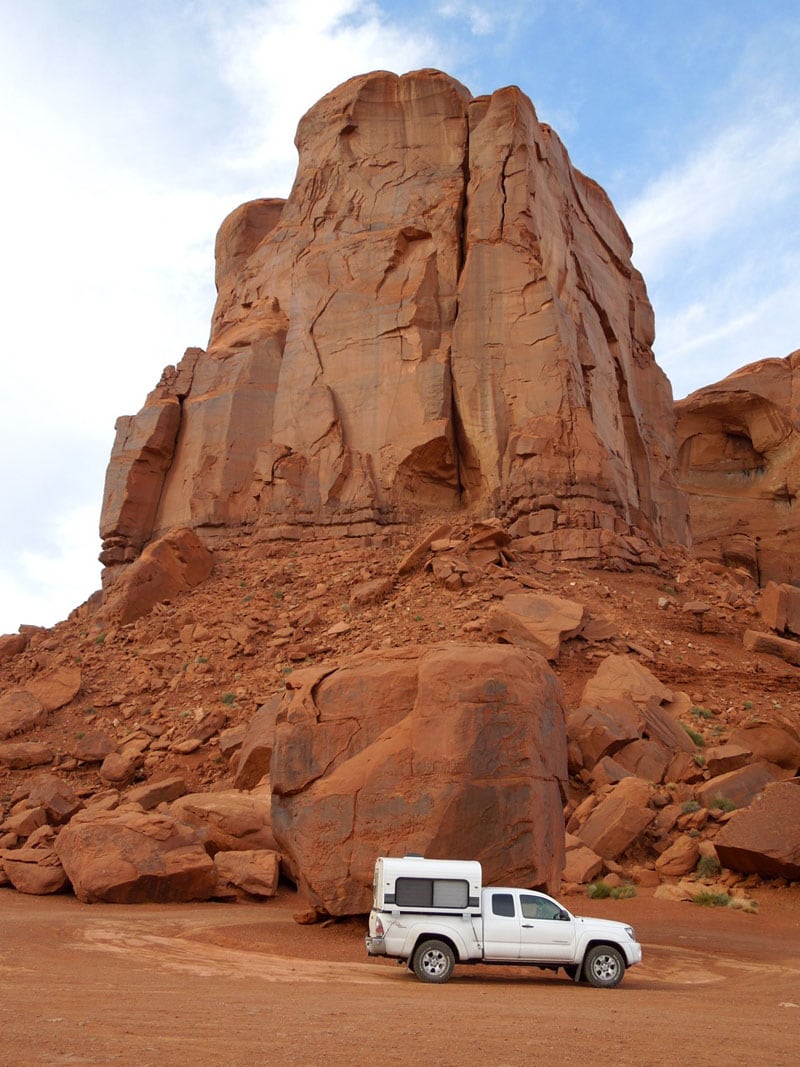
(240, 985)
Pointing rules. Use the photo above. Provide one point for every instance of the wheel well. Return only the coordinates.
(609, 944)
(436, 937)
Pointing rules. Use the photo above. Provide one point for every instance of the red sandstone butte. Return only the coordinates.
(443, 315)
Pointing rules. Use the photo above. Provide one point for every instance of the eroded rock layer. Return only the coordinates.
(739, 456)
(442, 315)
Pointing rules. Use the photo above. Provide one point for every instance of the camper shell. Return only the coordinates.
(417, 885)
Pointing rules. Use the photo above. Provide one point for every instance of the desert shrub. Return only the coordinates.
(708, 867)
(698, 739)
(722, 804)
(623, 892)
(228, 698)
(688, 807)
(599, 890)
(702, 713)
(743, 904)
(706, 899)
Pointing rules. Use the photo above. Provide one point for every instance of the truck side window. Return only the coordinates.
(503, 904)
(431, 893)
(539, 908)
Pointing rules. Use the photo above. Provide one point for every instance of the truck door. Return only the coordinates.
(501, 931)
(544, 934)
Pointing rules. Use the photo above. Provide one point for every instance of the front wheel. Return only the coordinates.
(434, 961)
(603, 967)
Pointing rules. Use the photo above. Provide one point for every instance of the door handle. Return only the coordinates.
(527, 926)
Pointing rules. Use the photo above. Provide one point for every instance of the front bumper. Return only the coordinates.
(634, 953)
(376, 946)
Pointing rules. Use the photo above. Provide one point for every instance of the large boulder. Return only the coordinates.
(618, 820)
(536, 620)
(765, 837)
(252, 873)
(739, 452)
(128, 856)
(450, 751)
(624, 713)
(35, 871)
(55, 796)
(737, 787)
(227, 821)
(20, 711)
(55, 688)
(22, 755)
(252, 760)
(352, 375)
(168, 566)
(775, 742)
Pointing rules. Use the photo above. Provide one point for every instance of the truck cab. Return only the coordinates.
(520, 924)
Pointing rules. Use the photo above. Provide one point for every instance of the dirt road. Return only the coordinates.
(240, 985)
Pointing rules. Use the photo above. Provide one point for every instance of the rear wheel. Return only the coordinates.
(603, 966)
(434, 961)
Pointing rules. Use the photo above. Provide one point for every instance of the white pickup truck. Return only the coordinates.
(433, 914)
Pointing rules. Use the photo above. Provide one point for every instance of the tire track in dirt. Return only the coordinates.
(208, 960)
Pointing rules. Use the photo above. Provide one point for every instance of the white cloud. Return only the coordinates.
(44, 586)
(744, 172)
(279, 59)
(480, 21)
(717, 239)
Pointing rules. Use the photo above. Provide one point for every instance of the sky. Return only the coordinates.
(131, 128)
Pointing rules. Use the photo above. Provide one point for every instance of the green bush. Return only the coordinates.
(688, 807)
(228, 698)
(702, 713)
(722, 804)
(599, 890)
(623, 892)
(698, 739)
(708, 867)
(707, 899)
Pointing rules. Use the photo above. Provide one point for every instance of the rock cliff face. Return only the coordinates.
(443, 315)
(739, 444)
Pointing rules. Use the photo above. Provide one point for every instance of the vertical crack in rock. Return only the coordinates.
(460, 443)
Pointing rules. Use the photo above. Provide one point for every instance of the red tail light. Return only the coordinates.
(379, 931)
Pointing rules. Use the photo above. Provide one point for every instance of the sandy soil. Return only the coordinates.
(235, 985)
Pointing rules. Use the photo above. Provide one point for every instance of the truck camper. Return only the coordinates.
(432, 914)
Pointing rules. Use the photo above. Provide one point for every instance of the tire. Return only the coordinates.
(434, 961)
(603, 967)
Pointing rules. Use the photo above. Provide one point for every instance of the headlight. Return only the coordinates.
(629, 930)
